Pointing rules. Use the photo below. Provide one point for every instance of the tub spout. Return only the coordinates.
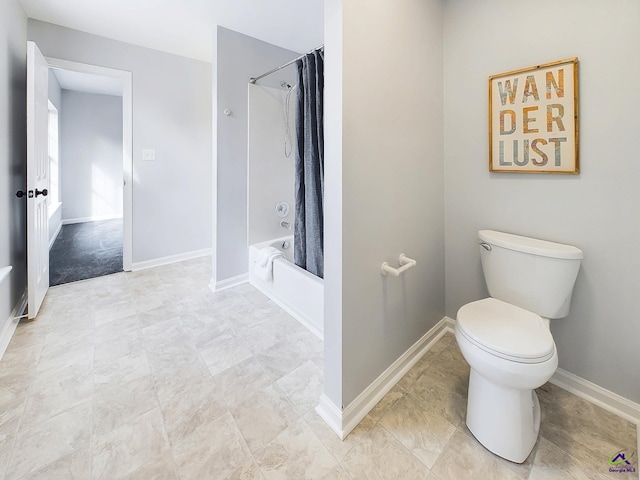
(286, 225)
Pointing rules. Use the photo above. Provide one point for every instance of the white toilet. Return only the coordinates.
(506, 338)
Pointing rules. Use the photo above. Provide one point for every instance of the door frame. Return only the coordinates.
(127, 143)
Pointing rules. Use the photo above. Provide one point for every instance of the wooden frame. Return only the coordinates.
(533, 119)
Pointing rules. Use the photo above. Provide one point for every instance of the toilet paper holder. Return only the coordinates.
(405, 264)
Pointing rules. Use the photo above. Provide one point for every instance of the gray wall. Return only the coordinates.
(596, 210)
(172, 114)
(91, 149)
(13, 152)
(55, 92)
(391, 174)
(239, 58)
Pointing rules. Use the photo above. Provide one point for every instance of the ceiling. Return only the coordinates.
(87, 82)
(185, 27)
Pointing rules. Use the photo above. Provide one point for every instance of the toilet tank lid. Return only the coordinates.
(530, 245)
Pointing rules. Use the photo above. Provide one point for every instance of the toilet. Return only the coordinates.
(506, 338)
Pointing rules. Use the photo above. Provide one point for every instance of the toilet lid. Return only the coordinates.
(506, 331)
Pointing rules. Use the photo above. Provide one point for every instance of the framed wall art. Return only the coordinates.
(533, 119)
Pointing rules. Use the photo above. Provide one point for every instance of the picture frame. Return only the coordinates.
(533, 119)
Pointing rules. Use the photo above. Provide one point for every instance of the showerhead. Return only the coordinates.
(284, 84)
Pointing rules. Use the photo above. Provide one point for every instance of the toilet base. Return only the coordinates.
(505, 420)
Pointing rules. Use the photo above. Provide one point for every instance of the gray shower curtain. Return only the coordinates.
(309, 165)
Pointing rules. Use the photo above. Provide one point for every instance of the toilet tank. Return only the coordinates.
(532, 274)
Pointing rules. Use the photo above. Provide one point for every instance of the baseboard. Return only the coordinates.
(12, 323)
(98, 218)
(343, 422)
(228, 282)
(55, 235)
(612, 402)
(158, 262)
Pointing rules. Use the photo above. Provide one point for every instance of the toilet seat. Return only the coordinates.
(506, 331)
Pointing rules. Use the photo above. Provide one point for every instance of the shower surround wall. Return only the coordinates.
(239, 57)
(270, 172)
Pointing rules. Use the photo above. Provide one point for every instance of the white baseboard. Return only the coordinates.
(55, 235)
(97, 218)
(12, 323)
(342, 422)
(158, 262)
(228, 282)
(612, 402)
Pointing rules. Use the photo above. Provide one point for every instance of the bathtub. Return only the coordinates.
(297, 291)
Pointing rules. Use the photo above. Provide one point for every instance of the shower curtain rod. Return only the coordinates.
(255, 79)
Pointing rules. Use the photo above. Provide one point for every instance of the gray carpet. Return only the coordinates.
(86, 250)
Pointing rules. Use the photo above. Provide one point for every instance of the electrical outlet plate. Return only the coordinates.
(148, 154)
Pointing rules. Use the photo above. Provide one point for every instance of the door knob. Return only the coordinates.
(44, 192)
(20, 194)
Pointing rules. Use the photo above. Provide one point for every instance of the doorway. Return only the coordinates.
(90, 206)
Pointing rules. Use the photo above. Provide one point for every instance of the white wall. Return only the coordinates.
(596, 210)
(171, 114)
(13, 146)
(239, 58)
(91, 150)
(271, 173)
(390, 167)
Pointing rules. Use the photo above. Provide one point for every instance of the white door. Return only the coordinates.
(37, 178)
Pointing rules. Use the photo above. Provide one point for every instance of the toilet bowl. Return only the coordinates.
(511, 352)
(506, 338)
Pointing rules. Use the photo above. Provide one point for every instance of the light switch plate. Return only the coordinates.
(148, 154)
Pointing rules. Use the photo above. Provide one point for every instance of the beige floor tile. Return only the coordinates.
(263, 416)
(6, 445)
(223, 352)
(388, 402)
(75, 466)
(421, 431)
(303, 386)
(126, 343)
(161, 467)
(262, 336)
(552, 463)
(129, 447)
(158, 411)
(58, 392)
(61, 353)
(173, 380)
(114, 406)
(332, 442)
(464, 458)
(214, 450)
(203, 327)
(242, 380)
(380, 456)
(197, 404)
(121, 370)
(50, 441)
(584, 430)
(338, 473)
(295, 453)
(445, 391)
(11, 410)
(281, 359)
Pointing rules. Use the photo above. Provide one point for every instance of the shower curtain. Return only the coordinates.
(309, 165)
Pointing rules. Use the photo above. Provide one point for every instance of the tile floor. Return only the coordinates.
(149, 375)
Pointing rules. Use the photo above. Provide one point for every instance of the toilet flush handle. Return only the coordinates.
(486, 246)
